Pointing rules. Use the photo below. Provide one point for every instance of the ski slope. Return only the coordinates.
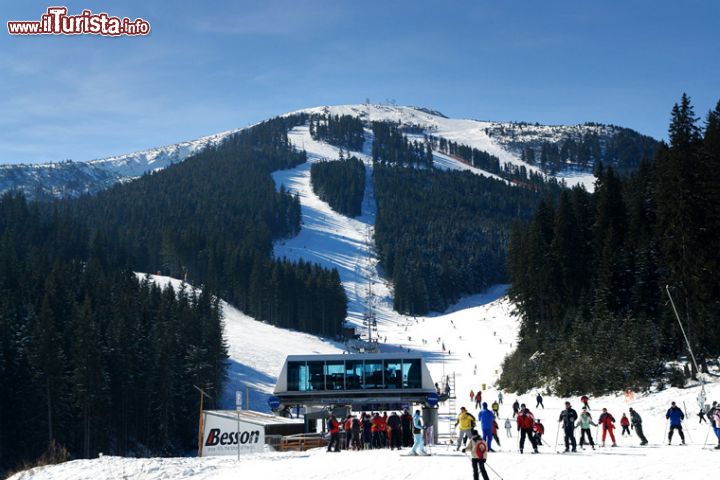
(468, 342)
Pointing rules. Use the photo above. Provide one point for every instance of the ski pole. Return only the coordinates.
(557, 434)
(493, 470)
(688, 432)
(665, 434)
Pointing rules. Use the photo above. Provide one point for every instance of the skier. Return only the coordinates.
(701, 416)
(500, 398)
(715, 419)
(625, 424)
(584, 423)
(516, 408)
(525, 422)
(508, 428)
(347, 427)
(472, 395)
(636, 421)
(568, 417)
(496, 408)
(539, 430)
(466, 422)
(406, 420)
(367, 432)
(608, 423)
(418, 447)
(478, 399)
(376, 424)
(394, 423)
(495, 428)
(539, 401)
(584, 399)
(334, 429)
(676, 416)
(355, 429)
(478, 455)
(486, 418)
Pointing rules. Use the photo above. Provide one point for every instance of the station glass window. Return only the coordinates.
(393, 374)
(316, 375)
(354, 375)
(412, 378)
(373, 374)
(334, 375)
(297, 377)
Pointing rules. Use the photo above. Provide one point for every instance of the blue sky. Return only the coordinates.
(214, 65)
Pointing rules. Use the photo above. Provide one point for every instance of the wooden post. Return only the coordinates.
(200, 422)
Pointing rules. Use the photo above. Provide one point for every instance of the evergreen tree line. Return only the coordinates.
(91, 357)
(213, 218)
(339, 130)
(517, 174)
(340, 183)
(456, 245)
(589, 271)
(390, 146)
(623, 151)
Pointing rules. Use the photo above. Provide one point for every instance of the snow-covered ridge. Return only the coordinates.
(70, 178)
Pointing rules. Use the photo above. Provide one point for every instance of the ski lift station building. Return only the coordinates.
(361, 382)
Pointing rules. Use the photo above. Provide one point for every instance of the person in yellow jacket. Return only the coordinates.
(478, 455)
(466, 422)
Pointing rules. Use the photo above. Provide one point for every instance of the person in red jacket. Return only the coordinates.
(334, 429)
(608, 425)
(584, 399)
(347, 426)
(494, 432)
(525, 422)
(539, 430)
(625, 424)
(382, 429)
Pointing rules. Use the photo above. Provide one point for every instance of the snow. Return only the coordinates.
(468, 341)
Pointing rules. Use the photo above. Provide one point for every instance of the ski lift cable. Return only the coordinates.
(687, 342)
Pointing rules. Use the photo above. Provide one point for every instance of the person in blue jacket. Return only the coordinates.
(676, 416)
(486, 418)
(418, 447)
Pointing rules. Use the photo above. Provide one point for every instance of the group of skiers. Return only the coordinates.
(372, 431)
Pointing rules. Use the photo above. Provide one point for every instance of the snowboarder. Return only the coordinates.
(334, 430)
(508, 428)
(584, 423)
(636, 421)
(516, 408)
(568, 417)
(525, 422)
(496, 408)
(466, 422)
(625, 424)
(478, 455)
(539, 401)
(486, 418)
(539, 430)
(418, 447)
(676, 416)
(608, 424)
(584, 399)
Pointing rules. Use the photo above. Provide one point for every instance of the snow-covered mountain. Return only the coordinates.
(72, 179)
(503, 140)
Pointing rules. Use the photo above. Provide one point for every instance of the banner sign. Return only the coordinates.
(229, 435)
